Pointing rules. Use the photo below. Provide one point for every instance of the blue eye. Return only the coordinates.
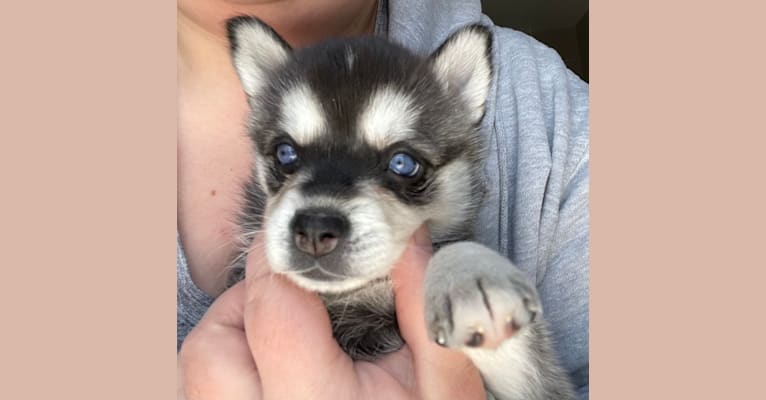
(286, 154)
(404, 165)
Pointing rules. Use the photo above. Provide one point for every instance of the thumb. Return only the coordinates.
(289, 332)
(215, 361)
(441, 373)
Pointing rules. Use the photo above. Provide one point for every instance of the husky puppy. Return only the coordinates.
(357, 143)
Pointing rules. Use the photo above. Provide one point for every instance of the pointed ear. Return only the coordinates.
(463, 65)
(256, 49)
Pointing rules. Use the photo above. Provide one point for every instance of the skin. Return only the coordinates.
(239, 348)
(267, 339)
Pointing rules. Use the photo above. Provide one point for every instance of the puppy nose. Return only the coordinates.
(317, 232)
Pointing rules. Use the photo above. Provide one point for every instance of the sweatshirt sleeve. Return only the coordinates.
(563, 263)
(540, 125)
(564, 284)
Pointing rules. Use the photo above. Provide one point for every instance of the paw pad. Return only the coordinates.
(476, 339)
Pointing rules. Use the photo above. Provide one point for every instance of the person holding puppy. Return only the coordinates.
(538, 122)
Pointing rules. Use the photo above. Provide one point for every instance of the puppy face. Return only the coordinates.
(358, 142)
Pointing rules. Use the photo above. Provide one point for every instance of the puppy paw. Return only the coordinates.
(475, 298)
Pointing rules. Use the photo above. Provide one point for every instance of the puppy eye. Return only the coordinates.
(403, 164)
(286, 154)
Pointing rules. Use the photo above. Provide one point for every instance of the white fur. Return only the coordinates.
(302, 114)
(326, 287)
(402, 220)
(463, 68)
(257, 52)
(260, 168)
(388, 117)
(451, 205)
(277, 238)
(350, 57)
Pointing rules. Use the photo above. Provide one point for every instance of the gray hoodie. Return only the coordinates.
(537, 129)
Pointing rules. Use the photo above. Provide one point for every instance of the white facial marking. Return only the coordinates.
(326, 287)
(402, 220)
(463, 68)
(279, 212)
(388, 117)
(452, 205)
(302, 114)
(257, 51)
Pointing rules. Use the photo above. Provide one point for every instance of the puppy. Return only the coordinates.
(357, 143)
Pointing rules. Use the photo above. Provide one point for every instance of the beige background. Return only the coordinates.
(87, 175)
(87, 194)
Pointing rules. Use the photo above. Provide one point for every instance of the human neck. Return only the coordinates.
(202, 43)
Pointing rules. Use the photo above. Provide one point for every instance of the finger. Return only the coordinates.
(440, 373)
(289, 332)
(215, 361)
(407, 276)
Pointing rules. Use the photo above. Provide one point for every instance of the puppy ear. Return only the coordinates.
(256, 49)
(463, 65)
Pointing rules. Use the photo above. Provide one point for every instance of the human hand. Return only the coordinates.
(267, 339)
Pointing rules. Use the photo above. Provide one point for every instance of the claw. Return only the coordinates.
(440, 339)
(532, 310)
